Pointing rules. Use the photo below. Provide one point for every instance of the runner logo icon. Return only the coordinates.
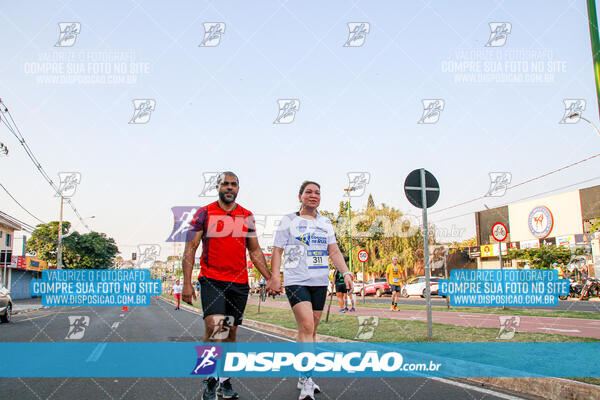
(68, 33)
(207, 359)
(499, 32)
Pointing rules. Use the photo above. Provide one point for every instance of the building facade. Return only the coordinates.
(564, 219)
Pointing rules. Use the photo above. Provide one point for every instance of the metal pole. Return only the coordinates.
(500, 259)
(593, 23)
(350, 232)
(59, 251)
(446, 274)
(500, 254)
(362, 292)
(426, 253)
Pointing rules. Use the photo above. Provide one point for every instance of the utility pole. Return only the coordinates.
(59, 251)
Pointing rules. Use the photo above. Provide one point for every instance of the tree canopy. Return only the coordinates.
(93, 250)
(381, 230)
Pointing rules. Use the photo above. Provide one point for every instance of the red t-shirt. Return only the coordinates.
(224, 241)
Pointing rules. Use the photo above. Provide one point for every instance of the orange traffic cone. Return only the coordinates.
(125, 308)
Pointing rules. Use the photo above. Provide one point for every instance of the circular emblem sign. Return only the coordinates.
(499, 231)
(540, 222)
(363, 256)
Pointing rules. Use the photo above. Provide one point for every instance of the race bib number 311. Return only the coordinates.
(316, 259)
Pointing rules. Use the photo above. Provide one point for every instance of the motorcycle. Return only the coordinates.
(575, 289)
(591, 288)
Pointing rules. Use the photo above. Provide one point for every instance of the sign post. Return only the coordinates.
(363, 256)
(422, 190)
(499, 233)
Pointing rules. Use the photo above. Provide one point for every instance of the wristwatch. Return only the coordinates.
(347, 273)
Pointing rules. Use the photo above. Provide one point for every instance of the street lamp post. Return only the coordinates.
(586, 120)
(348, 190)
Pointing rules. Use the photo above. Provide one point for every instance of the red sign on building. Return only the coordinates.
(18, 262)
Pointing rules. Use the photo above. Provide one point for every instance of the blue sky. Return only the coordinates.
(359, 106)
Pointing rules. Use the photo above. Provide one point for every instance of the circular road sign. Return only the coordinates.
(413, 188)
(499, 231)
(363, 256)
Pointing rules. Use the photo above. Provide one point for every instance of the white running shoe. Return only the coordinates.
(307, 392)
(301, 383)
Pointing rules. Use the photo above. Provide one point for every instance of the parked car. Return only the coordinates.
(358, 285)
(5, 304)
(377, 286)
(416, 286)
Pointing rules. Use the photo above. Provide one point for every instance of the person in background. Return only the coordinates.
(176, 292)
(395, 275)
(341, 292)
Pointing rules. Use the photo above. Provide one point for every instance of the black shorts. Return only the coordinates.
(223, 298)
(395, 288)
(341, 288)
(316, 295)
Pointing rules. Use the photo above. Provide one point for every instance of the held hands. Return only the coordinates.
(188, 293)
(273, 286)
(349, 283)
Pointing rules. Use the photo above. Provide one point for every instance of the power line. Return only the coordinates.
(13, 219)
(524, 198)
(20, 205)
(17, 133)
(519, 184)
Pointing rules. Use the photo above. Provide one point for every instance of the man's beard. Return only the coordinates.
(225, 200)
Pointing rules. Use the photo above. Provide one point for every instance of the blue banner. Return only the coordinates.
(508, 287)
(283, 359)
(96, 287)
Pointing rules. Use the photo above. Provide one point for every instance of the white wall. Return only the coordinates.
(565, 209)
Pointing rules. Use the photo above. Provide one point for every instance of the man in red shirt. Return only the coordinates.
(226, 230)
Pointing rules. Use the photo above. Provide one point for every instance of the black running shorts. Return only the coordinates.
(341, 288)
(316, 295)
(223, 298)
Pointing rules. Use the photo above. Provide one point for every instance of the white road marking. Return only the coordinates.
(121, 315)
(115, 325)
(29, 319)
(477, 389)
(562, 330)
(442, 380)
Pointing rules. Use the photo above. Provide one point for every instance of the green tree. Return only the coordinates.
(44, 241)
(381, 230)
(543, 257)
(91, 250)
(370, 202)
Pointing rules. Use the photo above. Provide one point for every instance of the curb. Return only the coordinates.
(546, 388)
(28, 310)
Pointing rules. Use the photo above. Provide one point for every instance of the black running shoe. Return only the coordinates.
(226, 391)
(210, 389)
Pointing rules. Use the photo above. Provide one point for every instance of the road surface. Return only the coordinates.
(159, 322)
